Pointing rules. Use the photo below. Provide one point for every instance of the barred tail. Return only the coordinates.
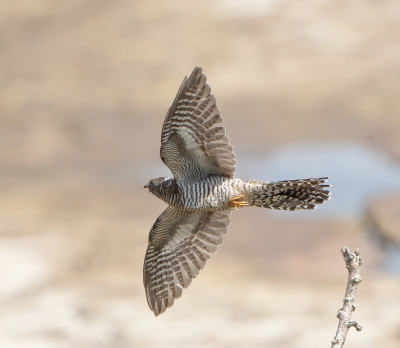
(289, 194)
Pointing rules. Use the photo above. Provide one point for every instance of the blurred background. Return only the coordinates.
(306, 89)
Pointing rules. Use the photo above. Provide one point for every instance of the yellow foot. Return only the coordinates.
(235, 203)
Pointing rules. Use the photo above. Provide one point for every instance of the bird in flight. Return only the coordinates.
(203, 192)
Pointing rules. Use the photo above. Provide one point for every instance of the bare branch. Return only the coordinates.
(353, 263)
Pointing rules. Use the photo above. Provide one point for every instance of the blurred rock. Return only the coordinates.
(383, 216)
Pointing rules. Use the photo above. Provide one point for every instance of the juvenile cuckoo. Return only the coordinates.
(203, 192)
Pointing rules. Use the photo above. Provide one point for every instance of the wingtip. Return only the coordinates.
(197, 71)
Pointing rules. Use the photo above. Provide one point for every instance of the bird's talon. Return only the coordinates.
(235, 203)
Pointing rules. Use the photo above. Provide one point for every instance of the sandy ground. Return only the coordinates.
(84, 89)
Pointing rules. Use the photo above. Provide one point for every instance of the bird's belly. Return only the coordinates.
(210, 196)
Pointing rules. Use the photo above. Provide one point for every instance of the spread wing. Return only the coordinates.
(192, 144)
(180, 244)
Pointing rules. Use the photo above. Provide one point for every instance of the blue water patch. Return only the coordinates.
(358, 173)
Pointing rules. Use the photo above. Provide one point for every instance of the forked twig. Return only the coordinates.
(353, 263)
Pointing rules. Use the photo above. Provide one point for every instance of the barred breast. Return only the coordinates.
(212, 193)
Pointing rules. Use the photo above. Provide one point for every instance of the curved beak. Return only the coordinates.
(146, 186)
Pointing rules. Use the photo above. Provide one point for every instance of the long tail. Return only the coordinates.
(289, 194)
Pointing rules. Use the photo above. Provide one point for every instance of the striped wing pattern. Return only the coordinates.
(191, 142)
(180, 244)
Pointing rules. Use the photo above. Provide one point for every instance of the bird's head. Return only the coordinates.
(155, 186)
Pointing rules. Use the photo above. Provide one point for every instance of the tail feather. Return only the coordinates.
(289, 194)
